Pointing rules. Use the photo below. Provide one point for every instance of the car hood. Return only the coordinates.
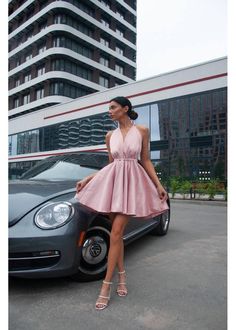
(25, 195)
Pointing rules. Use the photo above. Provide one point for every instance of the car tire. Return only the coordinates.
(93, 262)
(162, 228)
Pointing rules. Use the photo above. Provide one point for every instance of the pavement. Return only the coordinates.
(199, 201)
(175, 282)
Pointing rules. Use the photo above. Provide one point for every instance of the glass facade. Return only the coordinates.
(68, 20)
(71, 67)
(67, 89)
(81, 132)
(188, 135)
(69, 43)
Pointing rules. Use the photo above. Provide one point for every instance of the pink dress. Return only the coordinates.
(123, 186)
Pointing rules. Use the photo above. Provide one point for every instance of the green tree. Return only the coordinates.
(185, 187)
(174, 185)
(212, 188)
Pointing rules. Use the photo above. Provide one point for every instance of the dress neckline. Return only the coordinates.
(123, 138)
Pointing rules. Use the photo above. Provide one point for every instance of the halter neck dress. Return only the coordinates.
(123, 186)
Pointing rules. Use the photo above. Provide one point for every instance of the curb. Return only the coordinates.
(199, 202)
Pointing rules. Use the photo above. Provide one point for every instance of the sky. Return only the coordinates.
(172, 34)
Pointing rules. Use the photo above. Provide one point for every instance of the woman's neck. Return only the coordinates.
(124, 124)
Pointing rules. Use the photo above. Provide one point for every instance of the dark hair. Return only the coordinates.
(123, 101)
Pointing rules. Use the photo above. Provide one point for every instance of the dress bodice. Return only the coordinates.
(128, 147)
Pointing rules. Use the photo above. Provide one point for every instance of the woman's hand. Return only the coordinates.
(162, 193)
(81, 184)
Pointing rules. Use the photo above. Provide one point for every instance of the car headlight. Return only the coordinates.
(54, 215)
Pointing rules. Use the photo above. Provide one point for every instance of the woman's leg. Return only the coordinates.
(116, 240)
(120, 261)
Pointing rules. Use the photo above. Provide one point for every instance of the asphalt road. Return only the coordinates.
(176, 282)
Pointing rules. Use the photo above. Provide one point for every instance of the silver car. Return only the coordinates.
(51, 234)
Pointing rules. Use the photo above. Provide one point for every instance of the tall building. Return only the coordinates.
(62, 50)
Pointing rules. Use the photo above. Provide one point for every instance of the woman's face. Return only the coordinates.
(117, 111)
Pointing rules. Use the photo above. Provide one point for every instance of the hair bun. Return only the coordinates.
(132, 114)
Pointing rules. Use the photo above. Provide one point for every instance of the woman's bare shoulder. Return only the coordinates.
(109, 133)
(143, 129)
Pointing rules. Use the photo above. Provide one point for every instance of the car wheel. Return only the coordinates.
(162, 228)
(93, 263)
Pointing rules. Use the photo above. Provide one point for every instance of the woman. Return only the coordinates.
(123, 188)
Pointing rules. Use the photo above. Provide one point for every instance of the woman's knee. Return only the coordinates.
(116, 234)
(118, 227)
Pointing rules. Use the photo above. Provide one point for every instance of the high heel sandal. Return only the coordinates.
(122, 292)
(103, 305)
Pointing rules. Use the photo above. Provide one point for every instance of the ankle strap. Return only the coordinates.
(121, 272)
(107, 282)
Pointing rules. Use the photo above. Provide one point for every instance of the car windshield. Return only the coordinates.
(58, 170)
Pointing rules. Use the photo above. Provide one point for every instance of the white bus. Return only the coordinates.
(185, 110)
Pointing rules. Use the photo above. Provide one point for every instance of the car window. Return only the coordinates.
(58, 170)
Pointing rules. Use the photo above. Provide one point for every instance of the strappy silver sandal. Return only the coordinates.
(100, 305)
(122, 292)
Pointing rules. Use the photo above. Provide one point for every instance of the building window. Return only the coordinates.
(17, 62)
(105, 22)
(57, 19)
(54, 88)
(41, 70)
(19, 42)
(43, 3)
(26, 99)
(16, 102)
(120, 32)
(42, 48)
(73, 45)
(103, 81)
(17, 82)
(105, 42)
(119, 68)
(76, 24)
(119, 50)
(106, 3)
(104, 61)
(69, 90)
(28, 57)
(42, 26)
(12, 145)
(68, 66)
(27, 77)
(56, 42)
(27, 142)
(82, 6)
(29, 35)
(39, 93)
(120, 14)
(84, 29)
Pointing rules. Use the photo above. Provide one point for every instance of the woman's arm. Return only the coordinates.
(147, 164)
(145, 158)
(107, 139)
